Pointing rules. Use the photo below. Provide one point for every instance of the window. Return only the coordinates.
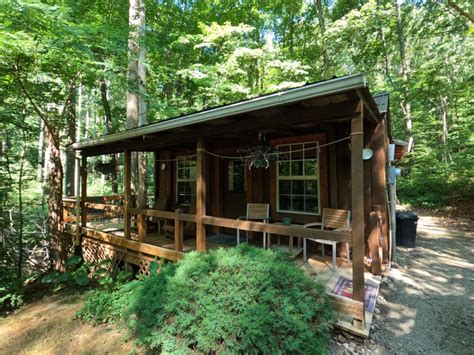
(236, 177)
(186, 180)
(298, 178)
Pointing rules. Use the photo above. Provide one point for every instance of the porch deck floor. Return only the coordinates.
(317, 267)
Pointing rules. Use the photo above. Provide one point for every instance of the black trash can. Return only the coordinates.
(406, 228)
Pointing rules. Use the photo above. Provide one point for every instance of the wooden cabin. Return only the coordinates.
(316, 135)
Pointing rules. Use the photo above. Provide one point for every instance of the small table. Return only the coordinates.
(286, 248)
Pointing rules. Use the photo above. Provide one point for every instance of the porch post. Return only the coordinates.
(84, 191)
(141, 200)
(200, 195)
(357, 192)
(127, 193)
(77, 193)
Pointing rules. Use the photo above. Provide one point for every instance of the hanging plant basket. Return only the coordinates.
(261, 155)
(105, 168)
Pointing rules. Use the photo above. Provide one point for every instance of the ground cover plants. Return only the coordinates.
(238, 300)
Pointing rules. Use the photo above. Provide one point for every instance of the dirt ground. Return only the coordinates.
(48, 327)
(425, 305)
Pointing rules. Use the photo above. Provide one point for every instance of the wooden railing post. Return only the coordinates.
(127, 174)
(178, 231)
(357, 192)
(200, 195)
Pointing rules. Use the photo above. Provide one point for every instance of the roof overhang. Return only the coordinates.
(356, 82)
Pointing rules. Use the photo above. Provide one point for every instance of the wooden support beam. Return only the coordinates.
(178, 231)
(77, 207)
(84, 191)
(357, 192)
(127, 177)
(200, 195)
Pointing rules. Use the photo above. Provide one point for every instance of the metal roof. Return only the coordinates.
(332, 86)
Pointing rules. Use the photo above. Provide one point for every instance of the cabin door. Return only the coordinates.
(235, 196)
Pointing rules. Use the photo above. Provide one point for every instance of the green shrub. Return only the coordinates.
(239, 300)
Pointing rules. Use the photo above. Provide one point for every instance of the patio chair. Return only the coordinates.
(333, 219)
(256, 212)
(189, 228)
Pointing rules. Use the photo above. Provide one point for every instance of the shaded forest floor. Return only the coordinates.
(424, 306)
(48, 326)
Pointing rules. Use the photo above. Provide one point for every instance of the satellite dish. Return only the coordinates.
(367, 153)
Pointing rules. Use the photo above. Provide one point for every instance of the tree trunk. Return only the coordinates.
(109, 130)
(405, 103)
(322, 30)
(136, 95)
(55, 183)
(40, 151)
(445, 134)
(20, 215)
(70, 139)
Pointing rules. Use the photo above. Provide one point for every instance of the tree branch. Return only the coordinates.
(456, 7)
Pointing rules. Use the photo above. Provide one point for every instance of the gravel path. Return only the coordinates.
(426, 304)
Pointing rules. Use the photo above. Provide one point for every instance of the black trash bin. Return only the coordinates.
(406, 228)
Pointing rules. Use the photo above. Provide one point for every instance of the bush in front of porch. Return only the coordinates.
(237, 300)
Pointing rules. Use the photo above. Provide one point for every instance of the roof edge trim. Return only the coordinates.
(332, 86)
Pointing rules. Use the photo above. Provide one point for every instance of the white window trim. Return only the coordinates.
(178, 180)
(304, 178)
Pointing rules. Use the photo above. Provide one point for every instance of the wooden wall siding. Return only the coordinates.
(343, 155)
(332, 167)
(378, 179)
(217, 191)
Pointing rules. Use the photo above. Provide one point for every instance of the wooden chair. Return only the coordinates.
(256, 212)
(189, 228)
(333, 219)
(162, 205)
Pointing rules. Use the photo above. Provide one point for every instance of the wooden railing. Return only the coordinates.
(180, 218)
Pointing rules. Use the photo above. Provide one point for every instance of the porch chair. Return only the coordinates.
(189, 228)
(256, 212)
(333, 219)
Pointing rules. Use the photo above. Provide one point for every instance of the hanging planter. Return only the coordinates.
(261, 155)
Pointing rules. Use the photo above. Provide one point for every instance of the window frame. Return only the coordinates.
(190, 180)
(317, 177)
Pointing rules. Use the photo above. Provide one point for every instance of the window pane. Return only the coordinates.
(181, 187)
(311, 151)
(285, 202)
(192, 172)
(285, 152)
(296, 168)
(297, 203)
(284, 168)
(285, 187)
(310, 167)
(310, 187)
(296, 151)
(311, 204)
(297, 187)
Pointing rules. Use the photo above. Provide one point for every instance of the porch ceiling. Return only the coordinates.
(293, 111)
